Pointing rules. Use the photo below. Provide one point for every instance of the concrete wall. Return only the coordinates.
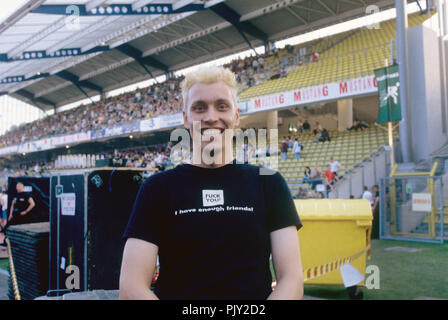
(425, 103)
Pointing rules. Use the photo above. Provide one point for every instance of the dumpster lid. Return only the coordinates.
(337, 209)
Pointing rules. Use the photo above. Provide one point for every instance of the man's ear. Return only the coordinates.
(237, 117)
(184, 114)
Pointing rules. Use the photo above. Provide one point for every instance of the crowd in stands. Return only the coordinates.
(156, 100)
(154, 157)
(142, 103)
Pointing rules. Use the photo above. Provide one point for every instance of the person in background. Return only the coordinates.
(284, 149)
(297, 148)
(335, 166)
(376, 212)
(3, 212)
(324, 136)
(307, 176)
(300, 126)
(21, 205)
(318, 128)
(290, 142)
(367, 195)
(306, 125)
(316, 175)
(330, 178)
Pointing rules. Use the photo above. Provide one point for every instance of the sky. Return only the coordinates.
(7, 7)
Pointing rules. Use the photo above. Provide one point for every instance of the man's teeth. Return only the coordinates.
(212, 131)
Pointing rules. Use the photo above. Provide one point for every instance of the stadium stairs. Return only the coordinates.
(350, 148)
(441, 157)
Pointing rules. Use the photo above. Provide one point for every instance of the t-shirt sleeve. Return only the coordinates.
(282, 211)
(146, 221)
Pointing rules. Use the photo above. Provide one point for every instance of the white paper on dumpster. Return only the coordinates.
(350, 275)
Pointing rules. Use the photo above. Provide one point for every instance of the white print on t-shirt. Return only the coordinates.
(212, 198)
(216, 209)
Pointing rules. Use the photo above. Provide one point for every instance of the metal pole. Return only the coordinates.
(389, 124)
(402, 57)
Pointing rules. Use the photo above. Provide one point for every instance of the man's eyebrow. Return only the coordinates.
(200, 101)
(222, 100)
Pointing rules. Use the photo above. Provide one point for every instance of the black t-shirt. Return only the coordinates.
(212, 227)
(21, 202)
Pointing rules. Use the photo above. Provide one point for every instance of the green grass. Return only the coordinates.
(4, 263)
(403, 275)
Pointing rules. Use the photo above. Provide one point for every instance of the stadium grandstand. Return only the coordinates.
(349, 55)
(87, 80)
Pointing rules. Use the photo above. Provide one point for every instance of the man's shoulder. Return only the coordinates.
(160, 177)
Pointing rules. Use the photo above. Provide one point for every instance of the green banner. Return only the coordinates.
(388, 81)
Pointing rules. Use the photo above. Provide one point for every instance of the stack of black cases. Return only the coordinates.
(29, 247)
(89, 211)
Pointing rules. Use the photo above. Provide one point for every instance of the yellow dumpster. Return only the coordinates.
(334, 233)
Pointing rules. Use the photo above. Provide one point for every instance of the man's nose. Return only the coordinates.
(211, 114)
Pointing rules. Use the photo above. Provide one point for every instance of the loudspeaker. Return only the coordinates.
(89, 211)
(29, 247)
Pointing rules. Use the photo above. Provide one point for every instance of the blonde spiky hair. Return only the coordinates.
(209, 75)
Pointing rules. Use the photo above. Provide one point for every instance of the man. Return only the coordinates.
(330, 178)
(297, 148)
(334, 166)
(284, 149)
(3, 207)
(376, 212)
(21, 205)
(315, 177)
(3, 212)
(367, 195)
(212, 225)
(306, 125)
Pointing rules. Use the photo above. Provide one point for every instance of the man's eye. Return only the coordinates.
(198, 108)
(222, 106)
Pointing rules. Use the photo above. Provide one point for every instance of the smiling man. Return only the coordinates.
(213, 224)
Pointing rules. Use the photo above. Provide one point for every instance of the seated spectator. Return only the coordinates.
(318, 136)
(316, 177)
(307, 176)
(283, 73)
(318, 128)
(324, 136)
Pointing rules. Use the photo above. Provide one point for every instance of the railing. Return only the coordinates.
(410, 204)
(368, 172)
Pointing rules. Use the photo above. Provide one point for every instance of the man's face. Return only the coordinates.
(212, 106)
(19, 187)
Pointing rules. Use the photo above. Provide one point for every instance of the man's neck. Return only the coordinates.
(214, 165)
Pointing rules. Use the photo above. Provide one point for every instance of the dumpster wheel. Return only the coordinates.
(354, 293)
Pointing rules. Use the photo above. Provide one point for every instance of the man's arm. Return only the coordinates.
(287, 264)
(30, 206)
(137, 270)
(11, 210)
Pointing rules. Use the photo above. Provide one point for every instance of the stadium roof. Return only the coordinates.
(55, 52)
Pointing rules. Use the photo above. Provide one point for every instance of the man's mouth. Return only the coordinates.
(212, 131)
